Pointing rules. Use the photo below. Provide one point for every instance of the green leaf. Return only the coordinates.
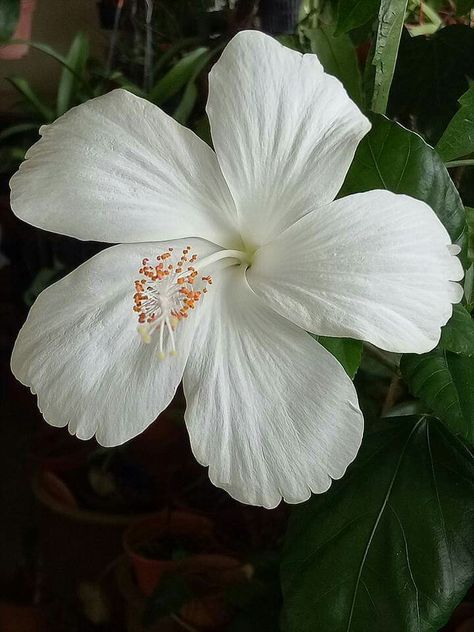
(346, 350)
(169, 596)
(444, 381)
(458, 335)
(458, 138)
(432, 73)
(9, 14)
(390, 25)
(391, 545)
(338, 57)
(470, 232)
(354, 13)
(13, 130)
(31, 98)
(186, 105)
(393, 158)
(75, 64)
(179, 75)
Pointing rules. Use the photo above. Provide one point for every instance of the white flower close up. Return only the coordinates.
(227, 259)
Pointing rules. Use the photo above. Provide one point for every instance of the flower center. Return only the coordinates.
(164, 295)
(169, 289)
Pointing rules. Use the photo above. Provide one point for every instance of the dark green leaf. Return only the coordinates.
(393, 158)
(390, 547)
(458, 138)
(75, 64)
(470, 226)
(9, 14)
(13, 130)
(458, 335)
(346, 350)
(179, 75)
(32, 99)
(354, 13)
(432, 73)
(338, 57)
(390, 25)
(444, 381)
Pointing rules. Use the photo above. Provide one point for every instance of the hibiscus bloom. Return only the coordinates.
(227, 259)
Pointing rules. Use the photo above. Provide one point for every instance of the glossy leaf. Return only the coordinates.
(393, 158)
(390, 546)
(9, 14)
(390, 24)
(458, 335)
(354, 13)
(444, 382)
(338, 57)
(346, 350)
(458, 138)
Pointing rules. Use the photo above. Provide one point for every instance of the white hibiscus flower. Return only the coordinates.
(241, 252)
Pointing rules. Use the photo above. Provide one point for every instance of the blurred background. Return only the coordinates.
(136, 538)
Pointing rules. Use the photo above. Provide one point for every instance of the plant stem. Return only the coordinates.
(460, 163)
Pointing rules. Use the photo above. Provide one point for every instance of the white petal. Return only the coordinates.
(270, 411)
(118, 169)
(80, 352)
(374, 266)
(284, 132)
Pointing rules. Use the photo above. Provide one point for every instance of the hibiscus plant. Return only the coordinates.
(315, 234)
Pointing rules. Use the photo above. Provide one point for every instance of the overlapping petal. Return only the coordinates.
(374, 266)
(80, 352)
(284, 132)
(118, 169)
(270, 411)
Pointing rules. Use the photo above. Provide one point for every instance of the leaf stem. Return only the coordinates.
(460, 163)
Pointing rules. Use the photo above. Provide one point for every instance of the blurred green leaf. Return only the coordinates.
(32, 99)
(75, 63)
(444, 381)
(179, 75)
(354, 13)
(458, 335)
(186, 105)
(13, 130)
(169, 596)
(9, 14)
(346, 350)
(390, 25)
(338, 57)
(393, 158)
(391, 545)
(458, 138)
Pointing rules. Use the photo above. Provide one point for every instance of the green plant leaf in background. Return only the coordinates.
(346, 350)
(390, 546)
(444, 382)
(75, 65)
(9, 14)
(393, 158)
(389, 31)
(36, 104)
(354, 13)
(458, 138)
(338, 57)
(179, 75)
(432, 73)
(458, 335)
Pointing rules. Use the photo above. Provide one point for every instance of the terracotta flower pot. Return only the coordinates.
(208, 576)
(146, 543)
(22, 31)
